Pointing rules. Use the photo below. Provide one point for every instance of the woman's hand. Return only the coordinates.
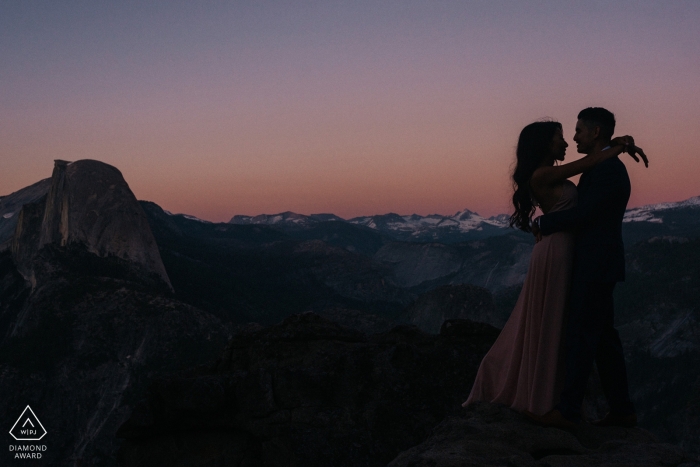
(630, 148)
(633, 150)
(536, 230)
(626, 141)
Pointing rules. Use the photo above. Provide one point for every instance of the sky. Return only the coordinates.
(219, 108)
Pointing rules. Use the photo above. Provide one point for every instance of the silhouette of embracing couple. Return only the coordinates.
(563, 319)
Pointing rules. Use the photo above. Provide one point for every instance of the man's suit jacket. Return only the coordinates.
(603, 192)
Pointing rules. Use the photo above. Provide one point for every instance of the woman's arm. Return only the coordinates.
(548, 176)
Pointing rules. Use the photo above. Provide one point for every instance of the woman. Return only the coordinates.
(522, 369)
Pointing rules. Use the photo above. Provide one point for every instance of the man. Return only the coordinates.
(599, 263)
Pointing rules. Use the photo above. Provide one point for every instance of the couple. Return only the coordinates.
(563, 319)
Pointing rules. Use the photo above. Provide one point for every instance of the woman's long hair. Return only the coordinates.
(534, 145)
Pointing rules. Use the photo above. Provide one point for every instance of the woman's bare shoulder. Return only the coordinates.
(545, 193)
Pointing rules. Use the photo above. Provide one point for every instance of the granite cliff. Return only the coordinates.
(87, 203)
(87, 314)
(11, 205)
(81, 346)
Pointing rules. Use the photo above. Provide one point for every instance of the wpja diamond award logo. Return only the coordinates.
(28, 428)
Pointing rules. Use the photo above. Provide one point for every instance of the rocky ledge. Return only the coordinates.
(491, 435)
(310, 393)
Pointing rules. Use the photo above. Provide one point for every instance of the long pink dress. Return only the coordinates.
(523, 368)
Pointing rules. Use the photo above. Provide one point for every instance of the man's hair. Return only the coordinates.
(600, 117)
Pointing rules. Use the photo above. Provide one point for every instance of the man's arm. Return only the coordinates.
(604, 185)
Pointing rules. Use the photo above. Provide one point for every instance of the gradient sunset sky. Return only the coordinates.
(216, 108)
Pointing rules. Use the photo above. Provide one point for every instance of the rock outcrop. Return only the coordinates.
(491, 435)
(307, 393)
(87, 313)
(81, 346)
(88, 203)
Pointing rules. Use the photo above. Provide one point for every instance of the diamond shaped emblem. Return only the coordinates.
(28, 427)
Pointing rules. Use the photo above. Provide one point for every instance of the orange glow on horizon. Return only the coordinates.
(352, 110)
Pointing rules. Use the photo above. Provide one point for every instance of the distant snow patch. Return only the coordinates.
(647, 213)
(637, 215)
(192, 218)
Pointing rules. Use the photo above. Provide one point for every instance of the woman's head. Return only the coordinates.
(539, 142)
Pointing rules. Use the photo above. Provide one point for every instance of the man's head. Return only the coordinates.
(595, 125)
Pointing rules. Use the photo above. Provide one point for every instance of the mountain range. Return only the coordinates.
(467, 225)
(671, 218)
(464, 225)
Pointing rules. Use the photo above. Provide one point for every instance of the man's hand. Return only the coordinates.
(536, 230)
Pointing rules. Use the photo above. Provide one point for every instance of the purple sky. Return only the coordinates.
(223, 108)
